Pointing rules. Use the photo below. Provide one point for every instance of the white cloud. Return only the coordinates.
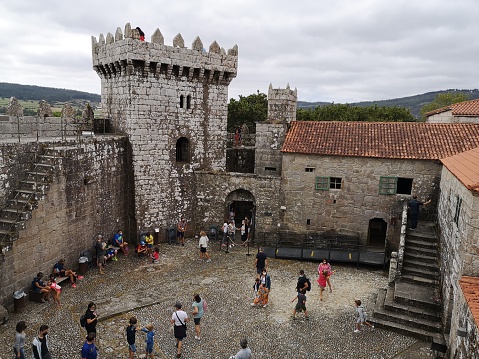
(341, 51)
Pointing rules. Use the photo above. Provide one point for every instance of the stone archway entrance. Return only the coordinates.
(377, 232)
(243, 203)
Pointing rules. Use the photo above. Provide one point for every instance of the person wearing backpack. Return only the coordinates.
(303, 282)
(197, 314)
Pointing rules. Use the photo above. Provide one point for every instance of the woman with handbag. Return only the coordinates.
(179, 320)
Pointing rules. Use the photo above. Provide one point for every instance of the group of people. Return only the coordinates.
(50, 288)
(105, 250)
(229, 231)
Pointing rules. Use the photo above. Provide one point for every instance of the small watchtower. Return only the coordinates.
(270, 134)
(171, 101)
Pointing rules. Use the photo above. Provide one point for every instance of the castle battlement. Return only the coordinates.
(282, 104)
(125, 54)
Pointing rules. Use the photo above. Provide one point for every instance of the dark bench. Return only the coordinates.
(33, 296)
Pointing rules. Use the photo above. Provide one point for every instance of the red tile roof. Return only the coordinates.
(465, 108)
(465, 166)
(470, 289)
(405, 140)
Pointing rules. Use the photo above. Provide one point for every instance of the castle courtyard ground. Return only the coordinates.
(133, 287)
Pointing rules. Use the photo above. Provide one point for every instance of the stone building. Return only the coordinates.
(461, 112)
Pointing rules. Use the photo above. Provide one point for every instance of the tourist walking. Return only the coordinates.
(40, 345)
(413, 206)
(362, 316)
(322, 281)
(150, 336)
(261, 261)
(301, 305)
(91, 318)
(244, 352)
(325, 266)
(179, 320)
(303, 282)
(89, 349)
(203, 245)
(19, 346)
(264, 289)
(197, 314)
(131, 336)
(256, 286)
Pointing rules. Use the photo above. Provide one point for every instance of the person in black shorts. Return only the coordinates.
(261, 261)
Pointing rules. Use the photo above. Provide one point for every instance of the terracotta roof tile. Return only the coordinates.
(465, 166)
(405, 140)
(465, 108)
(470, 289)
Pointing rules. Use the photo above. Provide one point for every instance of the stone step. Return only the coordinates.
(390, 305)
(402, 315)
(420, 271)
(421, 334)
(425, 236)
(418, 262)
(419, 280)
(420, 257)
(421, 244)
(415, 249)
(416, 295)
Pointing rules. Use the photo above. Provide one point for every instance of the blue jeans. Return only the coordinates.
(22, 353)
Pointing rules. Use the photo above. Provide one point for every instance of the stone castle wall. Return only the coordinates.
(349, 209)
(159, 95)
(88, 196)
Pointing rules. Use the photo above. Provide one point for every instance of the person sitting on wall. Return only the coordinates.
(59, 270)
(40, 287)
(142, 249)
(118, 241)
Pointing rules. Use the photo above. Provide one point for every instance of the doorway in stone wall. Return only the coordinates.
(242, 203)
(377, 232)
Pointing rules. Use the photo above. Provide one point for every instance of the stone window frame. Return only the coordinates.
(326, 183)
(309, 169)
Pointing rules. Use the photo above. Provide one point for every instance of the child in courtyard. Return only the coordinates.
(301, 305)
(131, 336)
(322, 282)
(362, 316)
(150, 334)
(155, 256)
(55, 290)
(256, 285)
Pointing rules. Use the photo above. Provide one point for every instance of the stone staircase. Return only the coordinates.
(24, 199)
(411, 305)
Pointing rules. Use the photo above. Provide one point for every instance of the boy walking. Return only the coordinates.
(301, 305)
(150, 334)
(362, 316)
(131, 336)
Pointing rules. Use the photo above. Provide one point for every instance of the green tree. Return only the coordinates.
(248, 110)
(346, 112)
(443, 100)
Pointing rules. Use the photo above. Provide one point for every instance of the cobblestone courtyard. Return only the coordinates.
(133, 287)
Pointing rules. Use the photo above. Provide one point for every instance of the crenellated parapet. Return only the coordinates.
(14, 108)
(44, 109)
(125, 54)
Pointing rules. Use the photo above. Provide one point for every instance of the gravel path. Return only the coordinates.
(133, 287)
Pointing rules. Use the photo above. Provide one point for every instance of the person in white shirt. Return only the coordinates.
(203, 245)
(179, 320)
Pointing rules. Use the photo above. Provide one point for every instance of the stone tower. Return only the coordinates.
(270, 134)
(171, 101)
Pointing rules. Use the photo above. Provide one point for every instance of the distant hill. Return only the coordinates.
(49, 94)
(413, 103)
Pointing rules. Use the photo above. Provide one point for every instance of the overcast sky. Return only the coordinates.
(341, 51)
